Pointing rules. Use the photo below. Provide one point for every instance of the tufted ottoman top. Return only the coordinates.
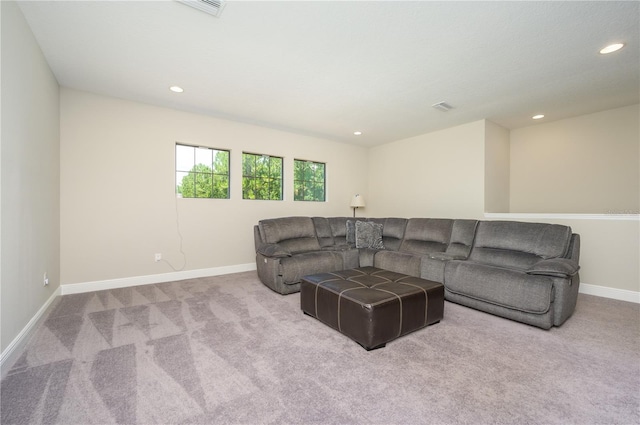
(370, 305)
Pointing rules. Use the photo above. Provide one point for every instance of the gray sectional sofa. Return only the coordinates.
(521, 271)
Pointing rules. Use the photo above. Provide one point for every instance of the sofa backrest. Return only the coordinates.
(517, 244)
(462, 235)
(331, 230)
(295, 234)
(426, 235)
(323, 231)
(392, 231)
(339, 229)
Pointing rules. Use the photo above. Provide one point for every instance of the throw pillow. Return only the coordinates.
(369, 235)
(351, 232)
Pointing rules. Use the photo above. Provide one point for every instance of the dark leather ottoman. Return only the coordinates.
(370, 305)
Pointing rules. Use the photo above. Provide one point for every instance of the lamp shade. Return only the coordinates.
(357, 201)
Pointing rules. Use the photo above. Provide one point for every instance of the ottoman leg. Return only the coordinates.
(372, 348)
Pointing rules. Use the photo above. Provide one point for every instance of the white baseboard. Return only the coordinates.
(563, 216)
(16, 347)
(101, 285)
(606, 292)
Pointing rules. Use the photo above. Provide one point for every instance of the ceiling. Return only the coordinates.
(328, 69)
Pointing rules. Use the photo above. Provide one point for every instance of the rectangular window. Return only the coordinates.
(308, 181)
(202, 172)
(261, 177)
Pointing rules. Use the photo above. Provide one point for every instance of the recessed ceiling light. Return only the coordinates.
(612, 48)
(176, 89)
(357, 133)
(537, 117)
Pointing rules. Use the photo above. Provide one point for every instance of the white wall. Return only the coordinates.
(439, 174)
(496, 168)
(463, 172)
(30, 232)
(586, 171)
(118, 203)
(586, 164)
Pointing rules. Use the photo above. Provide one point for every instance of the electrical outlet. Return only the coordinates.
(158, 257)
(46, 279)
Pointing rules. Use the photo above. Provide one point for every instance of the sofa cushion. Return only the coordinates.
(518, 245)
(369, 235)
(507, 288)
(292, 269)
(543, 240)
(323, 231)
(516, 260)
(296, 234)
(299, 245)
(399, 262)
(393, 232)
(426, 235)
(339, 229)
(273, 250)
(462, 234)
(275, 230)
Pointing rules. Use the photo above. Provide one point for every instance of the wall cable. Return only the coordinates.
(184, 256)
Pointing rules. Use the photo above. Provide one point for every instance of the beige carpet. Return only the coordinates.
(228, 350)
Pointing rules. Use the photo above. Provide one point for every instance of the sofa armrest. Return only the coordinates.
(273, 250)
(557, 267)
(366, 256)
(443, 256)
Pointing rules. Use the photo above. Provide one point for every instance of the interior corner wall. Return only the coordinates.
(30, 220)
(497, 168)
(118, 201)
(584, 172)
(438, 174)
(587, 164)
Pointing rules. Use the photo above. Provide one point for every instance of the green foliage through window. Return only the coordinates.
(308, 181)
(261, 177)
(202, 172)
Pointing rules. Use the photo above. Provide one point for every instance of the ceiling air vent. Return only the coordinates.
(212, 7)
(442, 106)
